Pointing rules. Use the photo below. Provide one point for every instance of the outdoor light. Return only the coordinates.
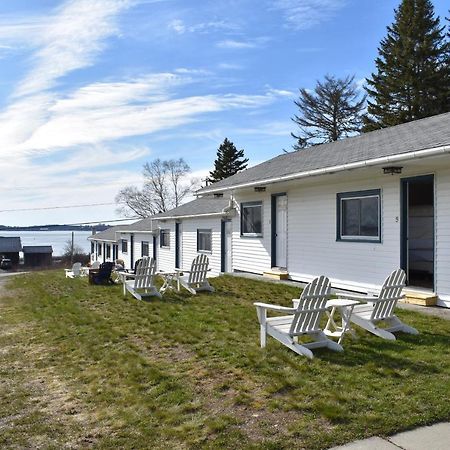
(391, 170)
(260, 189)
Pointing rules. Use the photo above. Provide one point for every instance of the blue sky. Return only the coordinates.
(92, 89)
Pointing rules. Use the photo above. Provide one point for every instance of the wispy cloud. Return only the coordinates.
(180, 27)
(305, 14)
(69, 40)
(242, 44)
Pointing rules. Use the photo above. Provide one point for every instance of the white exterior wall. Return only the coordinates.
(138, 239)
(189, 242)
(312, 245)
(126, 257)
(252, 254)
(165, 256)
(442, 238)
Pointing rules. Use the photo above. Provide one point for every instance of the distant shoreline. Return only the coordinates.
(99, 227)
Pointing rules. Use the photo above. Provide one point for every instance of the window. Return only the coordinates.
(99, 249)
(251, 219)
(108, 251)
(358, 216)
(164, 238)
(124, 246)
(144, 248)
(204, 240)
(92, 247)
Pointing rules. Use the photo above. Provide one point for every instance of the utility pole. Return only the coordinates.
(71, 249)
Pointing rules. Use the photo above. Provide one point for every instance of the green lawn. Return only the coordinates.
(82, 367)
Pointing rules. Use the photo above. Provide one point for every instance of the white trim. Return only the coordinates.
(339, 168)
(190, 216)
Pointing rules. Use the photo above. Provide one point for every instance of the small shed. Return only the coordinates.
(37, 255)
(10, 248)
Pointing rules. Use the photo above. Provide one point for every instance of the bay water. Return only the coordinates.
(57, 239)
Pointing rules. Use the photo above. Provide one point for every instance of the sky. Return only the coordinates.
(90, 90)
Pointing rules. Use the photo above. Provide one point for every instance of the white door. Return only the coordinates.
(227, 249)
(281, 231)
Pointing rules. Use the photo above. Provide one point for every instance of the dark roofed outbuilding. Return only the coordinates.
(37, 255)
(10, 247)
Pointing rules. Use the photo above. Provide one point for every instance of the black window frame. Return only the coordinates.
(124, 245)
(162, 233)
(204, 231)
(108, 251)
(252, 205)
(99, 249)
(353, 195)
(143, 244)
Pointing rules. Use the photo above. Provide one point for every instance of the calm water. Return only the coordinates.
(57, 239)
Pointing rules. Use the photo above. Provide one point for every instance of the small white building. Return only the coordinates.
(200, 226)
(352, 210)
(173, 238)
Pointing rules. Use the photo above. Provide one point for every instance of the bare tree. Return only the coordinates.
(166, 185)
(332, 111)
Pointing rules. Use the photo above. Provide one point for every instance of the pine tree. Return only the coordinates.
(412, 75)
(228, 162)
(331, 112)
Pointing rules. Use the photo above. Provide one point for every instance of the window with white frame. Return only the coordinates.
(204, 240)
(358, 216)
(164, 238)
(251, 219)
(124, 246)
(144, 248)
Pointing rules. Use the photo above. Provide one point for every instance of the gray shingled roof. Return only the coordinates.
(409, 137)
(37, 249)
(141, 225)
(107, 235)
(10, 244)
(197, 207)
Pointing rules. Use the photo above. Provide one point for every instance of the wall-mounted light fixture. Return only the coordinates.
(260, 189)
(392, 170)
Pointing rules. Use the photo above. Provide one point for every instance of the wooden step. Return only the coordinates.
(277, 274)
(422, 298)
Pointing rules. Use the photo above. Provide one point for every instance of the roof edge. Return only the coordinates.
(332, 169)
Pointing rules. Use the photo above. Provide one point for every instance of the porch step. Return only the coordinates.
(422, 298)
(277, 273)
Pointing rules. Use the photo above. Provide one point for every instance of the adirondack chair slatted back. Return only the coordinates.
(95, 265)
(199, 269)
(76, 269)
(145, 272)
(390, 294)
(311, 306)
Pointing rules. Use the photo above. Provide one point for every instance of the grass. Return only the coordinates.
(82, 367)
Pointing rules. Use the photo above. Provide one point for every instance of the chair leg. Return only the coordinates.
(371, 328)
(263, 336)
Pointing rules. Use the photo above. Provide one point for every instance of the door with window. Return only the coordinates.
(279, 230)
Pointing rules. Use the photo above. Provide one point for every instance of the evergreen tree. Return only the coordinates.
(228, 162)
(331, 112)
(412, 75)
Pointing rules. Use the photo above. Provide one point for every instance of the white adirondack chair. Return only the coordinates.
(299, 321)
(142, 282)
(74, 272)
(195, 279)
(381, 308)
(95, 265)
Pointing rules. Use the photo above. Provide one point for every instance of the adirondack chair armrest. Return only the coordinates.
(361, 297)
(274, 307)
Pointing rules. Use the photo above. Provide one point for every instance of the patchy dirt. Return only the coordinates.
(245, 402)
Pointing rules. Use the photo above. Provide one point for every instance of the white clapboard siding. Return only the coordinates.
(442, 240)
(189, 242)
(252, 254)
(313, 248)
(126, 257)
(138, 239)
(165, 256)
